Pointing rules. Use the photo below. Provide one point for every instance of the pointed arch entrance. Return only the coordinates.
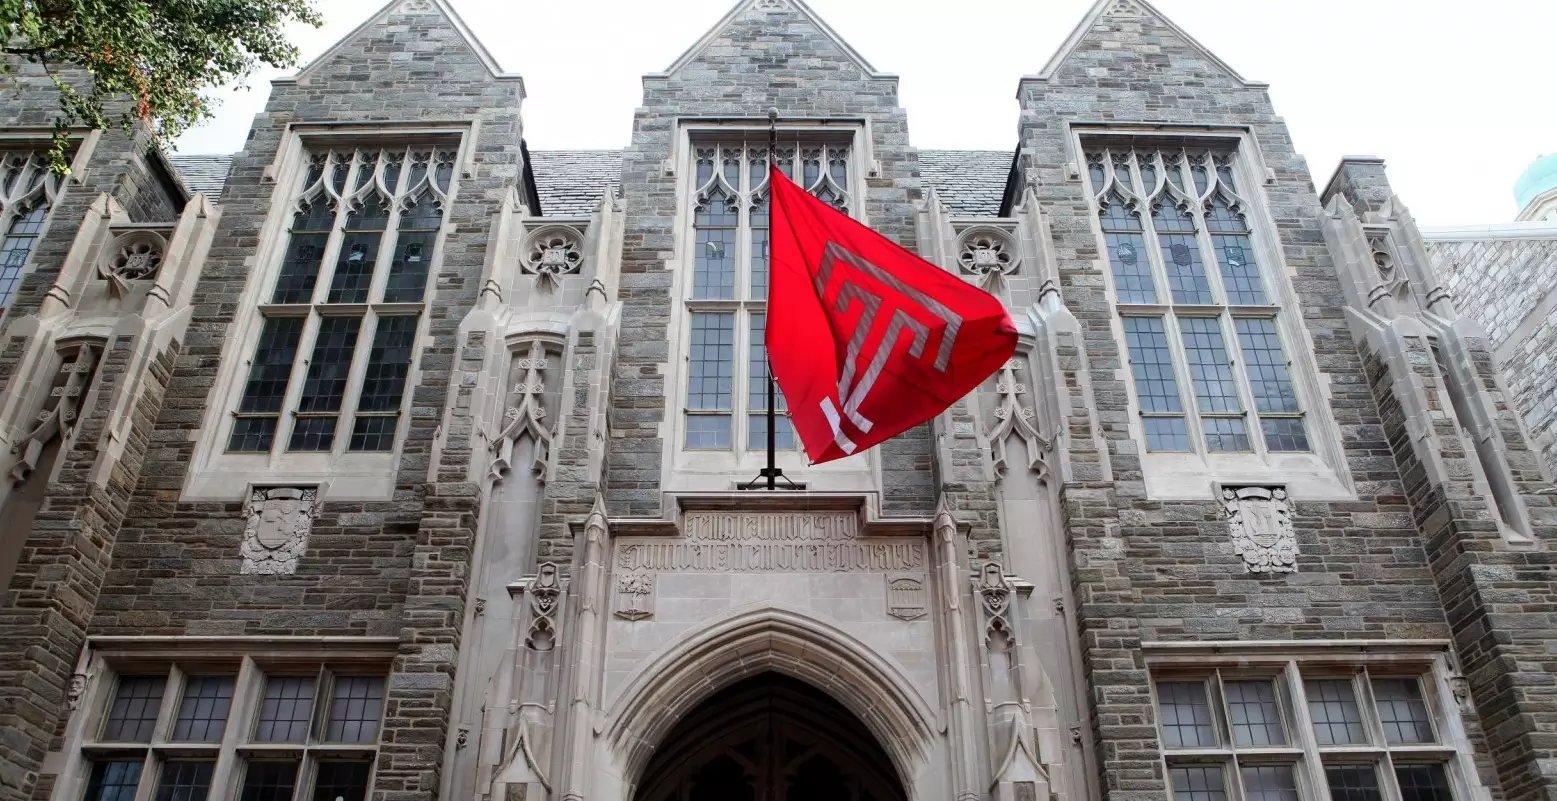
(770, 738)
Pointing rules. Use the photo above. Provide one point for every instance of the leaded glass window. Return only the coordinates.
(1176, 233)
(334, 352)
(28, 192)
(726, 393)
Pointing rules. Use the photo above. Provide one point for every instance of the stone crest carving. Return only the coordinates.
(1014, 416)
(544, 592)
(634, 596)
(1124, 8)
(995, 595)
(552, 252)
(906, 596)
(60, 410)
(280, 519)
(416, 7)
(1260, 521)
(526, 414)
(984, 251)
(771, 5)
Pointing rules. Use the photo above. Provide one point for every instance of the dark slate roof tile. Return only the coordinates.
(972, 183)
(571, 182)
(205, 174)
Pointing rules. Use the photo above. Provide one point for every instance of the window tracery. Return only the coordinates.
(1194, 305)
(729, 283)
(28, 192)
(349, 294)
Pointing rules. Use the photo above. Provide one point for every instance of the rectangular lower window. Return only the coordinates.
(185, 780)
(269, 781)
(202, 715)
(133, 714)
(114, 780)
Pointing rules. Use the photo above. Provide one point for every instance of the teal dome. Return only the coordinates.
(1537, 179)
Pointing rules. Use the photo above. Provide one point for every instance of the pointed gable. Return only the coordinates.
(1134, 24)
(434, 13)
(775, 31)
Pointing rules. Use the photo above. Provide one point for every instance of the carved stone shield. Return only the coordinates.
(280, 519)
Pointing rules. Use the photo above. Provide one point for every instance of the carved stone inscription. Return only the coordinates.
(761, 542)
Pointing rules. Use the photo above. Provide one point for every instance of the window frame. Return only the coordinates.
(218, 473)
(237, 745)
(1320, 473)
(1290, 666)
(720, 469)
(51, 189)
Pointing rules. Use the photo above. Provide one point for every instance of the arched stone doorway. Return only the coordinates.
(770, 738)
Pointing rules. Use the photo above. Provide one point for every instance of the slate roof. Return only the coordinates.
(570, 182)
(971, 183)
(206, 174)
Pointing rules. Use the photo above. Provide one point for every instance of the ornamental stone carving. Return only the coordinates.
(1014, 416)
(60, 411)
(280, 519)
(995, 595)
(634, 596)
(1260, 521)
(544, 591)
(526, 414)
(133, 256)
(983, 251)
(552, 252)
(906, 596)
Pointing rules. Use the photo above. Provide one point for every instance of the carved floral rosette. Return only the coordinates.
(1260, 521)
(280, 519)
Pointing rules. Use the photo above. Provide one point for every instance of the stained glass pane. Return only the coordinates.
(713, 272)
(1352, 783)
(1402, 711)
(354, 268)
(1151, 365)
(341, 781)
(1181, 254)
(305, 253)
(1252, 707)
(1332, 704)
(286, 710)
(114, 780)
(269, 781)
(1197, 784)
(1185, 714)
(133, 713)
(202, 714)
(1423, 783)
(20, 240)
(1132, 272)
(355, 709)
(1240, 274)
(184, 781)
(1270, 783)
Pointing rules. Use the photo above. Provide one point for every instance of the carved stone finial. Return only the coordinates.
(60, 409)
(543, 591)
(526, 414)
(1260, 521)
(1014, 416)
(280, 520)
(995, 593)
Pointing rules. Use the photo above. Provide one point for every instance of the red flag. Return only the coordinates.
(866, 339)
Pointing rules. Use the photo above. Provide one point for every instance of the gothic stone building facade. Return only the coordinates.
(394, 461)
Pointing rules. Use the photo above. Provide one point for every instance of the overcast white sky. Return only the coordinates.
(1457, 96)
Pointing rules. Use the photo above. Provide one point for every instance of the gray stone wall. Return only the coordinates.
(1509, 285)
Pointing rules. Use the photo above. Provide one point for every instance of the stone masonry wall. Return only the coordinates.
(397, 566)
(1510, 287)
(1147, 570)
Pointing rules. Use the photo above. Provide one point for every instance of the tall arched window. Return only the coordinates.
(1194, 306)
(348, 298)
(28, 190)
(729, 284)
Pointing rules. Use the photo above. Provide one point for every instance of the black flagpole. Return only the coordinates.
(772, 472)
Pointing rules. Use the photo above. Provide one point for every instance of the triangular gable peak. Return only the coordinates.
(765, 7)
(1132, 9)
(412, 7)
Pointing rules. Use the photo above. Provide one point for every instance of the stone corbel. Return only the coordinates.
(60, 411)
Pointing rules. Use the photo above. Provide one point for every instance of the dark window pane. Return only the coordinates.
(1226, 434)
(376, 433)
(1423, 783)
(1197, 784)
(312, 434)
(269, 781)
(184, 781)
(1352, 783)
(1186, 716)
(1402, 711)
(114, 780)
(133, 713)
(330, 364)
(389, 362)
(1332, 703)
(305, 253)
(286, 710)
(21, 237)
(355, 709)
(1270, 783)
(272, 366)
(1252, 707)
(1132, 272)
(252, 434)
(371, 215)
(341, 781)
(408, 272)
(202, 714)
